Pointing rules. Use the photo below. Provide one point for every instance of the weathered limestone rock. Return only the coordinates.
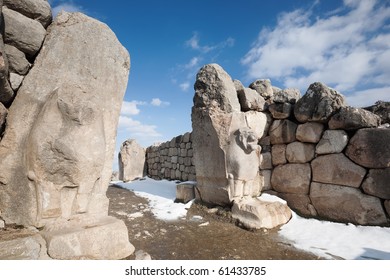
(214, 88)
(22, 32)
(265, 161)
(350, 118)
(60, 138)
(250, 100)
(131, 161)
(387, 207)
(369, 147)
(280, 110)
(344, 204)
(382, 109)
(226, 154)
(298, 152)
(36, 9)
(288, 95)
(282, 132)
(6, 92)
(15, 81)
(254, 213)
(279, 154)
(263, 87)
(265, 176)
(318, 104)
(185, 192)
(291, 178)
(337, 169)
(3, 117)
(332, 142)
(257, 122)
(310, 132)
(29, 246)
(105, 238)
(17, 60)
(300, 203)
(377, 183)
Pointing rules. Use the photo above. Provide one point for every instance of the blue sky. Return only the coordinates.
(345, 44)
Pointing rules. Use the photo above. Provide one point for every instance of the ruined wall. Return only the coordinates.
(327, 160)
(171, 160)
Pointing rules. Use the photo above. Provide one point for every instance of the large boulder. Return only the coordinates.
(349, 118)
(288, 95)
(318, 104)
(346, 205)
(298, 152)
(337, 169)
(280, 110)
(250, 100)
(254, 213)
(282, 132)
(22, 32)
(291, 178)
(377, 183)
(310, 132)
(6, 92)
(131, 161)
(332, 142)
(279, 154)
(36, 9)
(59, 141)
(3, 117)
(382, 109)
(226, 154)
(369, 147)
(263, 87)
(18, 62)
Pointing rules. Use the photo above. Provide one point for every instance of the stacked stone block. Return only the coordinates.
(171, 160)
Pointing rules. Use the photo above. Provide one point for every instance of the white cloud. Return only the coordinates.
(130, 108)
(158, 102)
(184, 86)
(345, 49)
(194, 43)
(368, 97)
(66, 6)
(194, 62)
(136, 128)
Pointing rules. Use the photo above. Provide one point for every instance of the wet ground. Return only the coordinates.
(205, 234)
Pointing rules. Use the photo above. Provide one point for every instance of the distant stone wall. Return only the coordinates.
(171, 160)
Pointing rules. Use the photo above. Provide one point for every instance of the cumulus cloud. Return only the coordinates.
(66, 6)
(158, 102)
(184, 86)
(348, 49)
(130, 108)
(136, 128)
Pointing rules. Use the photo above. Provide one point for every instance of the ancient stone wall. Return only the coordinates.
(171, 160)
(327, 160)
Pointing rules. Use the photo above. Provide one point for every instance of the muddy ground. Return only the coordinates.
(214, 237)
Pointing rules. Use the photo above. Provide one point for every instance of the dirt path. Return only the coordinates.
(212, 237)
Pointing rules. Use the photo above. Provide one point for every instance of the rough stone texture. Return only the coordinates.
(280, 110)
(332, 142)
(131, 161)
(318, 104)
(6, 92)
(382, 109)
(310, 132)
(282, 132)
(288, 95)
(22, 32)
(387, 207)
(291, 178)
(15, 81)
(377, 183)
(265, 179)
(59, 142)
(3, 117)
(263, 87)
(105, 238)
(265, 161)
(214, 88)
(300, 203)
(250, 100)
(369, 147)
(257, 122)
(185, 192)
(349, 118)
(298, 152)
(141, 255)
(18, 62)
(36, 9)
(337, 169)
(221, 133)
(254, 213)
(346, 205)
(29, 246)
(279, 154)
